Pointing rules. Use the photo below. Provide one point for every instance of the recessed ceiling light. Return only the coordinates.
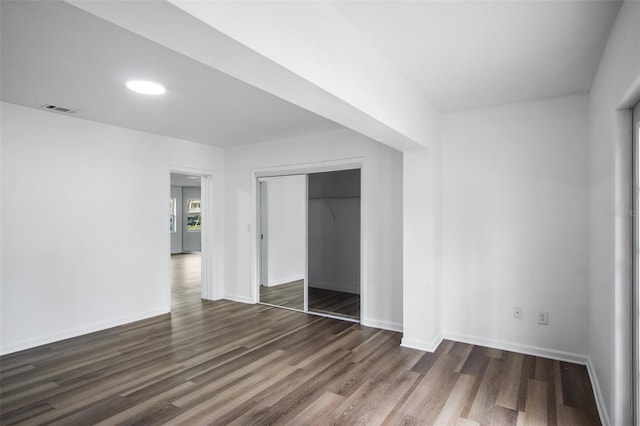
(146, 87)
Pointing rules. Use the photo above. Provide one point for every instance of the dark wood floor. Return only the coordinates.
(291, 295)
(334, 302)
(230, 363)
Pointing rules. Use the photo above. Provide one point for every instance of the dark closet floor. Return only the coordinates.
(291, 295)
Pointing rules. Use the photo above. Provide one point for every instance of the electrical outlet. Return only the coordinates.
(543, 318)
(517, 312)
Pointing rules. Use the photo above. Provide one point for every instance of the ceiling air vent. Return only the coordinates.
(59, 109)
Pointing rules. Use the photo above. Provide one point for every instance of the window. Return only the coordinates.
(172, 215)
(193, 215)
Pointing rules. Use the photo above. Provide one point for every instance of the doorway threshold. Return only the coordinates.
(318, 314)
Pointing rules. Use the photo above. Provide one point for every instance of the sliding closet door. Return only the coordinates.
(333, 246)
(282, 224)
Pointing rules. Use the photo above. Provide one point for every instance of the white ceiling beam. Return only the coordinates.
(352, 87)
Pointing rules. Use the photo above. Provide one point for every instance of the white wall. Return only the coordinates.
(334, 231)
(285, 228)
(514, 226)
(95, 254)
(381, 209)
(609, 226)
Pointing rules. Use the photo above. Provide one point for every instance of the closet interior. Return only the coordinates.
(309, 242)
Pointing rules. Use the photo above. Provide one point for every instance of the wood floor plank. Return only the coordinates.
(501, 416)
(432, 392)
(399, 418)
(380, 404)
(484, 399)
(465, 422)
(476, 362)
(149, 405)
(510, 386)
(318, 413)
(528, 372)
(456, 400)
(223, 362)
(426, 361)
(536, 405)
(462, 355)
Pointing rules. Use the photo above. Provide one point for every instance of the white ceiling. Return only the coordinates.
(459, 54)
(55, 53)
(469, 54)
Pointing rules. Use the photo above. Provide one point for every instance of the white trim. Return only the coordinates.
(263, 232)
(632, 96)
(365, 205)
(384, 325)
(306, 168)
(80, 331)
(517, 347)
(336, 316)
(305, 284)
(209, 289)
(235, 298)
(281, 307)
(597, 392)
(420, 345)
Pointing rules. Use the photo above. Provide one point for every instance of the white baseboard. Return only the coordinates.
(385, 325)
(597, 392)
(422, 345)
(235, 298)
(354, 289)
(286, 280)
(79, 331)
(517, 347)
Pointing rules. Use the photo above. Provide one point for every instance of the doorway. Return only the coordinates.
(334, 243)
(185, 220)
(309, 242)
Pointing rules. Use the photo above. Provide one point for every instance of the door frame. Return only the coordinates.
(263, 232)
(635, 215)
(626, 298)
(298, 169)
(211, 233)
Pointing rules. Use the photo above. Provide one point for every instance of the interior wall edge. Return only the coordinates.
(236, 298)
(384, 325)
(422, 345)
(597, 392)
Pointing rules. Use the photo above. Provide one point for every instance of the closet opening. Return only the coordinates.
(334, 243)
(309, 242)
